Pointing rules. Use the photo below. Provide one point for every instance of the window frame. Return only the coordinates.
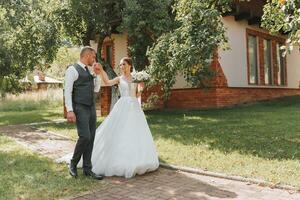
(274, 40)
(256, 60)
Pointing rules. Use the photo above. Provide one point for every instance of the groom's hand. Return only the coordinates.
(97, 68)
(71, 117)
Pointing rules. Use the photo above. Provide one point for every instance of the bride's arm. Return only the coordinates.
(106, 79)
(140, 88)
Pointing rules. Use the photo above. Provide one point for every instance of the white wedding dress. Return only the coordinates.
(123, 143)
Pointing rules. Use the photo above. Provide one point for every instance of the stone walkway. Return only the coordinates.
(162, 184)
(167, 184)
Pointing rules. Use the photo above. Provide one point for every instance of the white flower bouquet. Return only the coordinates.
(141, 76)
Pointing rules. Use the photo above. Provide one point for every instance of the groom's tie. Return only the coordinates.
(87, 70)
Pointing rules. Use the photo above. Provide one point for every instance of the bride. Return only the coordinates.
(123, 143)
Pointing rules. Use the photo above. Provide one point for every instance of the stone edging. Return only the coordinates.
(229, 177)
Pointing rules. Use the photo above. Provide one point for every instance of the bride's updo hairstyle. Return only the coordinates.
(128, 61)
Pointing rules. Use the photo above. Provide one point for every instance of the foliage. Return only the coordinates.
(84, 20)
(145, 22)
(65, 56)
(188, 49)
(151, 102)
(283, 16)
(29, 36)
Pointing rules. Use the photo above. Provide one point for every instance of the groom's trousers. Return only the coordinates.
(86, 128)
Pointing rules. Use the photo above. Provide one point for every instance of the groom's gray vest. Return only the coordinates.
(83, 87)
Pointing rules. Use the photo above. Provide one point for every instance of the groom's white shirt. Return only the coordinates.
(70, 77)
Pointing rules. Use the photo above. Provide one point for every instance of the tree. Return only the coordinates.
(283, 16)
(181, 35)
(65, 56)
(145, 22)
(84, 20)
(29, 36)
(189, 47)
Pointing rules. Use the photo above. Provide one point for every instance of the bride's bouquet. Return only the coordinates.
(141, 76)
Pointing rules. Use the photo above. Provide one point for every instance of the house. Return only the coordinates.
(46, 82)
(40, 82)
(250, 71)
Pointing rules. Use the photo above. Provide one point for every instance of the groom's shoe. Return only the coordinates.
(73, 171)
(93, 175)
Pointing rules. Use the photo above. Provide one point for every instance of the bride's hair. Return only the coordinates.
(128, 61)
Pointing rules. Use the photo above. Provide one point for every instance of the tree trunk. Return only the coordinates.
(87, 36)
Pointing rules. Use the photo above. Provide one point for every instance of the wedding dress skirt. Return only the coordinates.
(123, 143)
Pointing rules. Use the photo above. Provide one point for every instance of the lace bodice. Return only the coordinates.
(127, 88)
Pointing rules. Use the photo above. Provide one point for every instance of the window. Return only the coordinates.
(252, 55)
(108, 54)
(268, 62)
(266, 65)
(281, 65)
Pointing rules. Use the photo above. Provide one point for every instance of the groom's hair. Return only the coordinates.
(86, 49)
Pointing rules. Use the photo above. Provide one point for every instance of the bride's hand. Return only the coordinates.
(141, 87)
(97, 68)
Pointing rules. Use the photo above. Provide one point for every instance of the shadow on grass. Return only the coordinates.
(267, 129)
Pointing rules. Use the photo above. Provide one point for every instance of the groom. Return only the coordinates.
(80, 86)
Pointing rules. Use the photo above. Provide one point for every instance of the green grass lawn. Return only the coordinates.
(23, 117)
(259, 141)
(26, 175)
(31, 107)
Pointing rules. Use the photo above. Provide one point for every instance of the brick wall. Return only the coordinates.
(105, 93)
(223, 96)
(218, 95)
(233, 96)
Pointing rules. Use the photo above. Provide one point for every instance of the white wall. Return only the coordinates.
(120, 42)
(293, 69)
(234, 61)
(180, 82)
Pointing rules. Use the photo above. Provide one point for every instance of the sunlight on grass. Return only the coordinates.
(31, 107)
(234, 163)
(29, 101)
(26, 175)
(259, 141)
(17, 117)
(199, 118)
